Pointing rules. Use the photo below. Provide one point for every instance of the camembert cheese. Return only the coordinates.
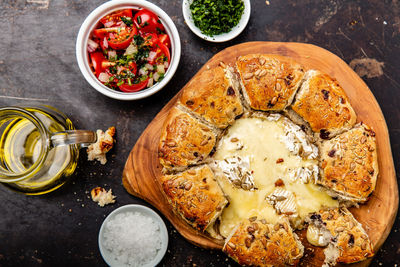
(276, 156)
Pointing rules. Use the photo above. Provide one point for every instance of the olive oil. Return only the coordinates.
(25, 148)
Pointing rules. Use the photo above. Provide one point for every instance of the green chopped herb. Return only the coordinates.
(120, 83)
(214, 17)
(138, 40)
(127, 20)
(159, 31)
(139, 20)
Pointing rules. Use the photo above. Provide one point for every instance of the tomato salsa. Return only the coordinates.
(129, 50)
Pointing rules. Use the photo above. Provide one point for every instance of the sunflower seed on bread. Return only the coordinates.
(184, 141)
(349, 164)
(324, 105)
(269, 82)
(256, 242)
(195, 196)
(214, 96)
(347, 240)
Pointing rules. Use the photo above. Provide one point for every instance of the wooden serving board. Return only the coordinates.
(143, 170)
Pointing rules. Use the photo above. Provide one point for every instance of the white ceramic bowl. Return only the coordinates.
(146, 212)
(235, 31)
(89, 25)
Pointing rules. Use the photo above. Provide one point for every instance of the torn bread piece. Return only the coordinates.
(259, 243)
(105, 141)
(184, 141)
(102, 196)
(269, 82)
(195, 196)
(349, 164)
(345, 239)
(214, 96)
(324, 105)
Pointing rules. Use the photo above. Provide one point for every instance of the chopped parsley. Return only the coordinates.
(138, 40)
(214, 17)
(127, 21)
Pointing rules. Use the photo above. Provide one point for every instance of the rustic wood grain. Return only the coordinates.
(142, 169)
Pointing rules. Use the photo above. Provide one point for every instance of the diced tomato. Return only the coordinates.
(116, 17)
(147, 21)
(133, 67)
(164, 39)
(161, 52)
(150, 39)
(103, 32)
(97, 59)
(134, 87)
(122, 38)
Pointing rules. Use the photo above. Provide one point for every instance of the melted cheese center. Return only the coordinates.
(260, 140)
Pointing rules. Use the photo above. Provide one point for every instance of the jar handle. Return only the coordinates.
(72, 137)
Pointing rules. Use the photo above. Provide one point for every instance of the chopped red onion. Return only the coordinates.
(92, 46)
(104, 77)
(112, 54)
(152, 56)
(150, 83)
(105, 42)
(108, 24)
(119, 69)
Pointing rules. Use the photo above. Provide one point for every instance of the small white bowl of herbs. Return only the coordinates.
(216, 20)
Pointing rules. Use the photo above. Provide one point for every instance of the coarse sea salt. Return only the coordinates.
(132, 238)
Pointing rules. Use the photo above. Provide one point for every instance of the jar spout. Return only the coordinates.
(73, 137)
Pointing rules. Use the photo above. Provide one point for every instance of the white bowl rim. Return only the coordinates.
(89, 24)
(221, 37)
(145, 211)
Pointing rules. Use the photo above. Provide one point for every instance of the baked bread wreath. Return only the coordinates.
(252, 152)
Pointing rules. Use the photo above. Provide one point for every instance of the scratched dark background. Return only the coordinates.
(38, 65)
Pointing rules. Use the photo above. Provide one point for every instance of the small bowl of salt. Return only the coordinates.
(133, 235)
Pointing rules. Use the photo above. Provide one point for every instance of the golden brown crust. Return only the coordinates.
(269, 81)
(323, 104)
(184, 140)
(195, 196)
(353, 243)
(213, 96)
(258, 243)
(349, 163)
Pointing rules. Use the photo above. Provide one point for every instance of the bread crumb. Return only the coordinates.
(102, 196)
(105, 141)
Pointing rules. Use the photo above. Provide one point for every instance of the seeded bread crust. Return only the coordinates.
(324, 105)
(349, 163)
(184, 141)
(214, 96)
(259, 243)
(269, 82)
(195, 196)
(351, 239)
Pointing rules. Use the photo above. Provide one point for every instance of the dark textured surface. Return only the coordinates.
(37, 65)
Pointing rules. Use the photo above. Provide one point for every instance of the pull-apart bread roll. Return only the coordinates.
(269, 82)
(195, 196)
(324, 105)
(214, 97)
(184, 141)
(259, 243)
(344, 238)
(349, 164)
